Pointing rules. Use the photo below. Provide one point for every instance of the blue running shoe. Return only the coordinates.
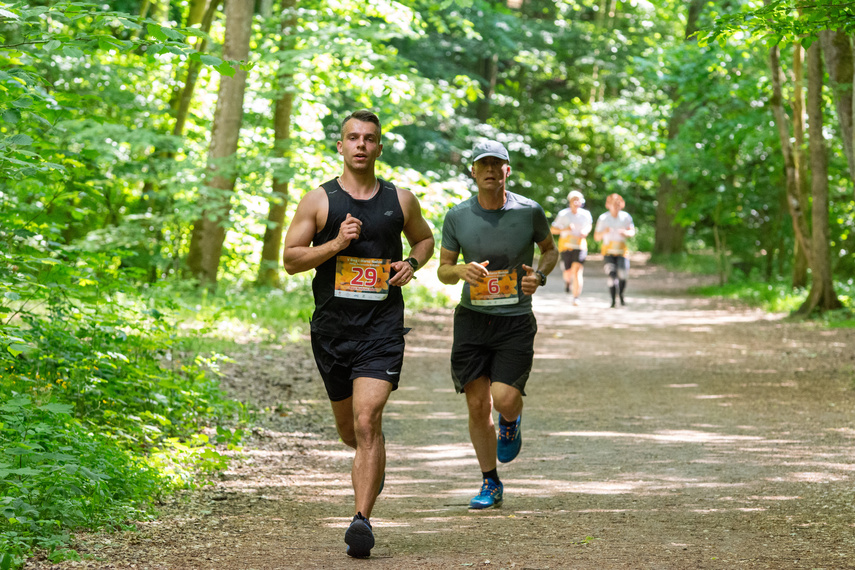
(510, 441)
(359, 538)
(490, 495)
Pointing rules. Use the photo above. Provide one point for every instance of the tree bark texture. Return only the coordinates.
(209, 232)
(268, 272)
(182, 105)
(669, 237)
(800, 258)
(489, 72)
(822, 295)
(800, 227)
(838, 50)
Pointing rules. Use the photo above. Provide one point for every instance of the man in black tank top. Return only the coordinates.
(349, 231)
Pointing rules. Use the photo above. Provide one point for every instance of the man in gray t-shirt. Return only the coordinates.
(494, 328)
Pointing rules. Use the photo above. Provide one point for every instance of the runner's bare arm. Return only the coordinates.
(548, 258)
(548, 255)
(450, 273)
(309, 219)
(419, 236)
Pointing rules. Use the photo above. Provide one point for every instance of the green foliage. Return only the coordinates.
(782, 20)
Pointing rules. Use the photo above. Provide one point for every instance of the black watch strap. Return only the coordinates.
(414, 263)
(542, 277)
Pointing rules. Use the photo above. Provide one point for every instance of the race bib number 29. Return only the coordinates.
(500, 288)
(362, 278)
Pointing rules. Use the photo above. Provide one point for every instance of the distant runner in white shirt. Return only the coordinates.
(572, 226)
(613, 229)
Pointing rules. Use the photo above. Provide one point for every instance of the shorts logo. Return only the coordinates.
(392, 372)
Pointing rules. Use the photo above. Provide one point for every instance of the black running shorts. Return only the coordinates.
(571, 256)
(340, 361)
(501, 348)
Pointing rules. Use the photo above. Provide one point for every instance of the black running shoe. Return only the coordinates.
(359, 538)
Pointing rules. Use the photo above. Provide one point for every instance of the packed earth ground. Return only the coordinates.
(677, 432)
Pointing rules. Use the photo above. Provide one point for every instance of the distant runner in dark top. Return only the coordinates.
(349, 231)
(494, 328)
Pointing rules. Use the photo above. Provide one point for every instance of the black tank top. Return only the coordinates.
(380, 238)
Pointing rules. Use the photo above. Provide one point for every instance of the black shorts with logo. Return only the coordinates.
(499, 347)
(571, 256)
(340, 361)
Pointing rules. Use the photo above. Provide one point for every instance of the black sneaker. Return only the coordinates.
(359, 538)
(566, 287)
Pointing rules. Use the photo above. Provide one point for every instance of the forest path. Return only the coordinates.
(674, 433)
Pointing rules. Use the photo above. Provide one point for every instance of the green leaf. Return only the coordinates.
(56, 408)
(210, 60)
(52, 45)
(71, 51)
(11, 116)
(225, 68)
(23, 140)
(156, 32)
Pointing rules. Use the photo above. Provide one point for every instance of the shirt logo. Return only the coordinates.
(388, 213)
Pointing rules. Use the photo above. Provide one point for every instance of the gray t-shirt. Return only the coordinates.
(504, 237)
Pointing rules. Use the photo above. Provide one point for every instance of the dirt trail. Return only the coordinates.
(674, 433)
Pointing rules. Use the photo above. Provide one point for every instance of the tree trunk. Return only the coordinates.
(837, 47)
(791, 170)
(268, 272)
(209, 232)
(800, 258)
(822, 295)
(181, 105)
(670, 236)
(489, 71)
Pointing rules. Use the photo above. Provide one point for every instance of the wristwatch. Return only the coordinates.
(542, 277)
(414, 263)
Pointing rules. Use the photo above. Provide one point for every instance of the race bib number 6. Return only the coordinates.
(362, 278)
(500, 288)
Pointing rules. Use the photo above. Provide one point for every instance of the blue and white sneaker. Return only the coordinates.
(490, 495)
(359, 538)
(510, 441)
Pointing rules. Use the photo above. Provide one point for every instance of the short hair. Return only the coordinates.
(615, 198)
(365, 116)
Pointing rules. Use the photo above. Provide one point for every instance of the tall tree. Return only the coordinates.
(840, 60)
(209, 232)
(822, 293)
(268, 271)
(670, 235)
(802, 183)
(792, 171)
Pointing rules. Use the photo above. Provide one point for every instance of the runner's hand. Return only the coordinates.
(350, 229)
(530, 281)
(475, 273)
(404, 273)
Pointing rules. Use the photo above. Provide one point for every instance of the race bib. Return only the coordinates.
(614, 248)
(569, 241)
(500, 288)
(362, 278)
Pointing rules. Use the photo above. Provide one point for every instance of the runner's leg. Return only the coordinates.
(482, 430)
(576, 270)
(369, 464)
(507, 400)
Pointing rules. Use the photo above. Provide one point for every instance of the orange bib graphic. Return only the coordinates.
(614, 248)
(568, 241)
(362, 278)
(500, 288)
